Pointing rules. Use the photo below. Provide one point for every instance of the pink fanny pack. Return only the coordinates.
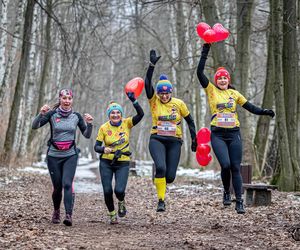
(63, 145)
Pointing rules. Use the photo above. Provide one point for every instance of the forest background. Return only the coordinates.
(96, 46)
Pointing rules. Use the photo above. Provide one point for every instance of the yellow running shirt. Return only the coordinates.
(222, 105)
(116, 137)
(167, 117)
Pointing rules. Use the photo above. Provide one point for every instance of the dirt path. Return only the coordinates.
(195, 219)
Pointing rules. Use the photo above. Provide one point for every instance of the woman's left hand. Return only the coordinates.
(88, 118)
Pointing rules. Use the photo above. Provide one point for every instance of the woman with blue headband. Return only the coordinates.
(166, 133)
(115, 154)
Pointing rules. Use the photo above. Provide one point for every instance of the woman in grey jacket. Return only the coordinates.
(62, 154)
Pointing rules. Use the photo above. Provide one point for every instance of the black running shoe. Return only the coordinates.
(121, 208)
(161, 206)
(56, 217)
(226, 199)
(68, 220)
(239, 207)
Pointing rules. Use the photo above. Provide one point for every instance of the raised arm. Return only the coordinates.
(42, 118)
(140, 113)
(257, 110)
(86, 129)
(148, 81)
(202, 78)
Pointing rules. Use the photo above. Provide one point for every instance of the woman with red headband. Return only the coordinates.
(166, 132)
(225, 132)
(62, 154)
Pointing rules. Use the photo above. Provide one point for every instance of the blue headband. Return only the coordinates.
(114, 106)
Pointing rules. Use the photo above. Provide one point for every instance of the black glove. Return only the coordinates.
(153, 57)
(269, 112)
(194, 145)
(131, 96)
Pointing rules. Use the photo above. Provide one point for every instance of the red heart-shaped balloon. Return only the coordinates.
(203, 136)
(203, 149)
(211, 35)
(203, 160)
(221, 32)
(136, 86)
(201, 28)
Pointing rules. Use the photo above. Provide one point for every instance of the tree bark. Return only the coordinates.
(290, 78)
(20, 85)
(44, 74)
(263, 124)
(284, 176)
(241, 77)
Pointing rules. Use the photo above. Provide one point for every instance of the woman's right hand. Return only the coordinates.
(107, 150)
(44, 109)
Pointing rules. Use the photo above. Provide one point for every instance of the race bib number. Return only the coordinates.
(166, 128)
(226, 120)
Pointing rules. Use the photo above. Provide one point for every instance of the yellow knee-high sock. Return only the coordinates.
(161, 186)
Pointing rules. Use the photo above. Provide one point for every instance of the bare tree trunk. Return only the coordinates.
(290, 77)
(241, 73)
(12, 52)
(284, 176)
(44, 74)
(3, 40)
(263, 124)
(19, 91)
(29, 108)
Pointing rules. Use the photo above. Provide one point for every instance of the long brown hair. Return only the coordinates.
(55, 106)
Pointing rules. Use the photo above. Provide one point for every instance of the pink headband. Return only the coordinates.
(65, 92)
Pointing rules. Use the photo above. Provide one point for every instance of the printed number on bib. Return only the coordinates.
(226, 120)
(166, 128)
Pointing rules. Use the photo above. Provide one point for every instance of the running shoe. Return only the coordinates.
(161, 206)
(239, 207)
(56, 217)
(226, 199)
(68, 220)
(122, 209)
(113, 217)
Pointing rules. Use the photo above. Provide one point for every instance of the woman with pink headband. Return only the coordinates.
(62, 154)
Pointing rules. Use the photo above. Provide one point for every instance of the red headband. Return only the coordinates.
(221, 72)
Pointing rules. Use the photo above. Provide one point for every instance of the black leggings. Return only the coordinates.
(62, 172)
(165, 152)
(227, 145)
(121, 172)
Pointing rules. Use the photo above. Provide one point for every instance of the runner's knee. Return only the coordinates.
(225, 166)
(170, 179)
(160, 172)
(67, 186)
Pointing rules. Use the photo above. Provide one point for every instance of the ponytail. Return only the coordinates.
(55, 106)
